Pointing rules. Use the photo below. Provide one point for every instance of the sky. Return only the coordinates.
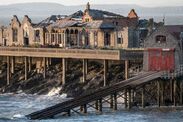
(147, 3)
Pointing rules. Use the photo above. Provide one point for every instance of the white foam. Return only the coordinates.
(54, 91)
(18, 116)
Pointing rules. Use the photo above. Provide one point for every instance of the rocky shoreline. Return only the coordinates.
(36, 84)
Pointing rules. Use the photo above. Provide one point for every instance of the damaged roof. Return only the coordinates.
(100, 24)
(65, 23)
(76, 15)
(99, 14)
(50, 20)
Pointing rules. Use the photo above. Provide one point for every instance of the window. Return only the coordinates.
(15, 35)
(160, 39)
(37, 35)
(120, 40)
(87, 20)
(95, 39)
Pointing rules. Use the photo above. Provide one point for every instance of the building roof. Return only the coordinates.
(76, 15)
(99, 25)
(99, 14)
(132, 14)
(50, 20)
(65, 23)
(175, 30)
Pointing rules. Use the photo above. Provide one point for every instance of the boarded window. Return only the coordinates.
(160, 39)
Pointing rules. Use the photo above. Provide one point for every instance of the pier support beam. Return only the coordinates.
(63, 71)
(162, 92)
(84, 69)
(158, 93)
(143, 96)
(105, 72)
(171, 90)
(30, 64)
(13, 65)
(125, 98)
(96, 105)
(100, 105)
(111, 101)
(126, 69)
(44, 67)
(175, 91)
(84, 108)
(8, 70)
(26, 68)
(50, 61)
(129, 99)
(115, 102)
(181, 90)
(47, 62)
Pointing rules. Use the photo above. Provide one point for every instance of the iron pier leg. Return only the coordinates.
(105, 72)
(81, 109)
(96, 105)
(126, 69)
(143, 93)
(47, 62)
(162, 92)
(175, 91)
(86, 66)
(125, 98)
(100, 105)
(30, 64)
(171, 90)
(44, 67)
(63, 71)
(158, 93)
(111, 101)
(13, 65)
(129, 99)
(133, 95)
(8, 70)
(50, 61)
(84, 70)
(85, 108)
(181, 90)
(26, 68)
(69, 112)
(115, 102)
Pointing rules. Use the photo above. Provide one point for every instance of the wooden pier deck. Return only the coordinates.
(102, 54)
(69, 105)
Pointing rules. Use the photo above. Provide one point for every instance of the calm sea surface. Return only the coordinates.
(14, 107)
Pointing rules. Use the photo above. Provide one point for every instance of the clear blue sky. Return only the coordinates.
(148, 3)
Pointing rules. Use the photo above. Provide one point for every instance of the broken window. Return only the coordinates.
(160, 39)
(15, 35)
(120, 39)
(37, 35)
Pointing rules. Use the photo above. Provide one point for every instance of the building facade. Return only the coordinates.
(89, 29)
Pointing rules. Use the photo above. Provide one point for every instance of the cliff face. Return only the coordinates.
(36, 84)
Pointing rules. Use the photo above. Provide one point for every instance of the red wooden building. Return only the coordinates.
(161, 59)
(163, 49)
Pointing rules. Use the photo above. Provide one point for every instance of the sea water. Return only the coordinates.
(14, 107)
